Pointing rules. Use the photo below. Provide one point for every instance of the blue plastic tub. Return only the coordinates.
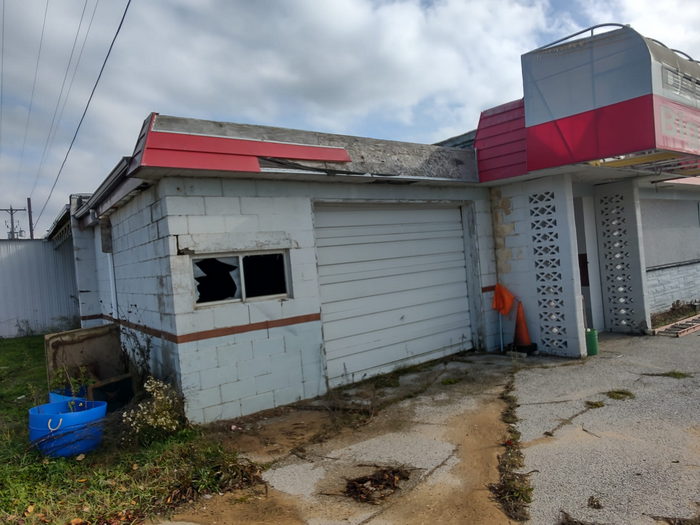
(67, 428)
(66, 395)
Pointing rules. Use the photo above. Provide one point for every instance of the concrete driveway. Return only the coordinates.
(635, 458)
(627, 461)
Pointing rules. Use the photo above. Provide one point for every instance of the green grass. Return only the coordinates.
(112, 484)
(675, 374)
(595, 404)
(450, 381)
(620, 394)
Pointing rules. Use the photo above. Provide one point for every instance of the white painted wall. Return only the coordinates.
(675, 283)
(38, 286)
(536, 258)
(671, 231)
(229, 375)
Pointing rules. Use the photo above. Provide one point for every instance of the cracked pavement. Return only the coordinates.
(639, 458)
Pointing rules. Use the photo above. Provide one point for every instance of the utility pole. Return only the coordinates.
(13, 233)
(29, 216)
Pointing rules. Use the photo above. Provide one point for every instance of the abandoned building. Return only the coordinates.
(260, 266)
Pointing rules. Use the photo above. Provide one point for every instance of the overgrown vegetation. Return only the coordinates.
(115, 484)
(513, 490)
(679, 310)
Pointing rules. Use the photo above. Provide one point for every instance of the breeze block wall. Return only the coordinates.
(143, 294)
(674, 283)
(239, 357)
(536, 259)
(621, 254)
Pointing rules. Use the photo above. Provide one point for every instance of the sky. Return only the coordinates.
(412, 70)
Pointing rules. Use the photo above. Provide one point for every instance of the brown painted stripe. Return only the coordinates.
(487, 289)
(91, 317)
(262, 325)
(208, 334)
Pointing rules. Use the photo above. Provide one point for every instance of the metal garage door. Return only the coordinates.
(393, 287)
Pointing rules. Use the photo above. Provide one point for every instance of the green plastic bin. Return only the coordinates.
(591, 341)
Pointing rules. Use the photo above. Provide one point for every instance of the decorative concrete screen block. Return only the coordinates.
(621, 257)
(548, 271)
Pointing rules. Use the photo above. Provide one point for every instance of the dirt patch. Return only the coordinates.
(274, 434)
(255, 506)
(677, 312)
(458, 493)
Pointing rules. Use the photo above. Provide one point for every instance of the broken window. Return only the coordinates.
(242, 277)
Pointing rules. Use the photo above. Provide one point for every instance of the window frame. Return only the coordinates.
(241, 255)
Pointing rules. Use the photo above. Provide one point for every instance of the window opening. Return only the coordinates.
(264, 275)
(217, 279)
(240, 277)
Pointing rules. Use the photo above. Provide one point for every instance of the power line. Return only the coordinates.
(75, 69)
(80, 122)
(58, 101)
(2, 71)
(31, 100)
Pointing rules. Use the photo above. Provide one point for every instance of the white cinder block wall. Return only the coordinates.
(536, 259)
(676, 283)
(237, 358)
(85, 271)
(139, 281)
(488, 274)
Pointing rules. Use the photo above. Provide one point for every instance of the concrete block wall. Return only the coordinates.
(85, 271)
(106, 293)
(677, 283)
(141, 265)
(622, 258)
(229, 366)
(232, 367)
(230, 376)
(488, 275)
(536, 259)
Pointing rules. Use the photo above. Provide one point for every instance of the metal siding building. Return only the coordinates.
(37, 282)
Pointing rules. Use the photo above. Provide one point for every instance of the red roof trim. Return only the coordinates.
(203, 152)
(232, 146)
(501, 145)
(199, 161)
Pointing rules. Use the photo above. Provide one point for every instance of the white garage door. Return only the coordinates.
(393, 287)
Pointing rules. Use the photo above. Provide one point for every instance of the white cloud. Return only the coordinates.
(398, 69)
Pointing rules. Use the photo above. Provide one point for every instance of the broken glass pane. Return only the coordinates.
(217, 279)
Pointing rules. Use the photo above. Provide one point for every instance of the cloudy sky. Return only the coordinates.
(416, 70)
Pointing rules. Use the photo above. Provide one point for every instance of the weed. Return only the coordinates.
(513, 490)
(154, 418)
(678, 311)
(675, 374)
(114, 484)
(594, 503)
(391, 380)
(619, 394)
(450, 381)
(595, 404)
(508, 415)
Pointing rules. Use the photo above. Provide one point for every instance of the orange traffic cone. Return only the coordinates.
(522, 336)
